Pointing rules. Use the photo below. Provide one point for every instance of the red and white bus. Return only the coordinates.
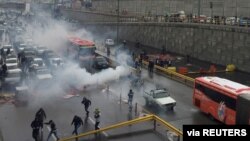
(80, 49)
(221, 99)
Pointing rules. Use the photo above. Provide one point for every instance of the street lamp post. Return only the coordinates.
(199, 8)
(118, 20)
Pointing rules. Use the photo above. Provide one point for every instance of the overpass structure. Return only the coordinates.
(219, 44)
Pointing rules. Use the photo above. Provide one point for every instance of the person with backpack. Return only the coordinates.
(86, 102)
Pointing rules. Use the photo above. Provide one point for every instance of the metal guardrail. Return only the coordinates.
(127, 123)
(173, 74)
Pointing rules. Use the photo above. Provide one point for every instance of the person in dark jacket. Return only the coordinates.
(86, 102)
(130, 97)
(40, 114)
(8, 51)
(53, 129)
(77, 121)
(35, 125)
(4, 69)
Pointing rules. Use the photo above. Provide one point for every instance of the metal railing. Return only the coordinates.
(173, 75)
(142, 17)
(189, 81)
(128, 123)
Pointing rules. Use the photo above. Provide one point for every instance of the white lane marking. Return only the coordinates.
(52, 134)
(105, 134)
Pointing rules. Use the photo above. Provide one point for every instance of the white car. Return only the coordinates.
(56, 62)
(160, 97)
(11, 63)
(21, 47)
(6, 47)
(38, 62)
(109, 42)
(43, 74)
(13, 76)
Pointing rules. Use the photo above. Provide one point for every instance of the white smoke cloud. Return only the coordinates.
(51, 33)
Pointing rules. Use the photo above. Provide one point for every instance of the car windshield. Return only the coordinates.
(161, 94)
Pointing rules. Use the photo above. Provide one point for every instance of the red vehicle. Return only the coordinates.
(81, 50)
(222, 99)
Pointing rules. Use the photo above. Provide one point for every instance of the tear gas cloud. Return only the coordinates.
(51, 33)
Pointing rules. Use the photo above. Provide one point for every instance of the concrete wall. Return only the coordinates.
(161, 7)
(214, 43)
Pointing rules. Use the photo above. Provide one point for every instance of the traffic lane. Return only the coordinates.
(184, 112)
(61, 111)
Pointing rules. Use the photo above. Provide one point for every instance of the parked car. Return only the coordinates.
(100, 63)
(177, 17)
(210, 20)
(11, 63)
(200, 19)
(40, 50)
(159, 97)
(48, 54)
(20, 47)
(55, 63)
(5, 49)
(38, 62)
(232, 21)
(109, 42)
(13, 76)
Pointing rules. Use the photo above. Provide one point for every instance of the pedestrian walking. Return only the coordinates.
(97, 115)
(130, 97)
(86, 102)
(41, 116)
(150, 66)
(35, 125)
(77, 121)
(53, 129)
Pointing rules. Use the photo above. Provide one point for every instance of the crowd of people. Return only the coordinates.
(40, 117)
